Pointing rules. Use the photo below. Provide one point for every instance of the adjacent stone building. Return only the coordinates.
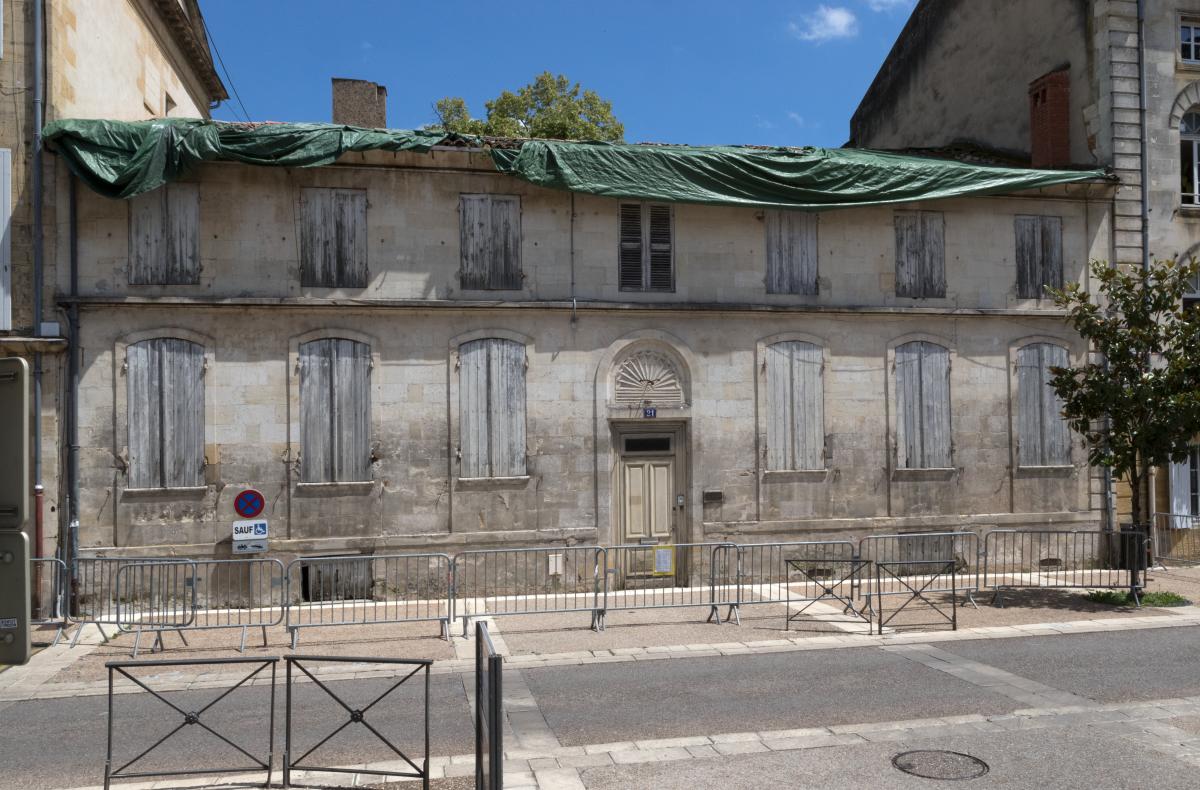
(414, 351)
(1113, 83)
(122, 59)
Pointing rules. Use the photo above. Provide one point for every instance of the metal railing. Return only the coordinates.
(835, 581)
(47, 608)
(653, 576)
(764, 576)
(242, 593)
(1176, 538)
(489, 712)
(911, 554)
(190, 718)
(498, 582)
(917, 579)
(364, 589)
(1025, 559)
(156, 597)
(354, 716)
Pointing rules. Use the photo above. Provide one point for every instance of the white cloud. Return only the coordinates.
(825, 25)
(889, 5)
(796, 118)
(763, 123)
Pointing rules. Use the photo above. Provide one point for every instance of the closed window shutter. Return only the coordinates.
(492, 408)
(490, 233)
(506, 242)
(920, 254)
(1029, 257)
(164, 236)
(333, 238)
(335, 407)
(923, 438)
(1052, 262)
(165, 379)
(661, 274)
(1043, 436)
(795, 406)
(791, 252)
(630, 273)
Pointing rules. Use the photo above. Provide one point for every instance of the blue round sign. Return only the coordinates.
(249, 503)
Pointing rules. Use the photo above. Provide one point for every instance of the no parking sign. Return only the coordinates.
(249, 503)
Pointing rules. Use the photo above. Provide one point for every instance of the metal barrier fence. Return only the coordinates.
(156, 597)
(242, 593)
(48, 609)
(354, 716)
(764, 575)
(94, 598)
(497, 582)
(656, 576)
(1025, 559)
(489, 712)
(366, 589)
(190, 718)
(917, 579)
(1176, 538)
(910, 554)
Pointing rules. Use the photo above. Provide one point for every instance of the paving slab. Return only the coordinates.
(1059, 759)
(774, 691)
(1116, 666)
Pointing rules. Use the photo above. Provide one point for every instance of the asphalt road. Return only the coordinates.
(60, 743)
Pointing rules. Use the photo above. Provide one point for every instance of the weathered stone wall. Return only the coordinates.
(251, 314)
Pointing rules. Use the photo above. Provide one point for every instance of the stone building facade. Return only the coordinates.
(978, 75)
(413, 351)
(121, 59)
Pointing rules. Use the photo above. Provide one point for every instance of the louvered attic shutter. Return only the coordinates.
(661, 274)
(630, 274)
(791, 252)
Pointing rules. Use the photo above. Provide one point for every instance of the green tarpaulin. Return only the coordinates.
(124, 159)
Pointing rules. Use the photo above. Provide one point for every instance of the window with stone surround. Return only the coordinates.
(1039, 256)
(1189, 157)
(165, 402)
(795, 406)
(1189, 41)
(791, 252)
(1043, 436)
(335, 408)
(333, 238)
(491, 408)
(646, 255)
(490, 232)
(922, 406)
(920, 254)
(164, 236)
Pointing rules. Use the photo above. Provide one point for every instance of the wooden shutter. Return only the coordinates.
(660, 268)
(164, 236)
(630, 262)
(920, 254)
(144, 414)
(1043, 436)
(935, 392)
(923, 406)
(5, 238)
(473, 408)
(795, 406)
(506, 408)
(1039, 255)
(165, 405)
(490, 232)
(335, 408)
(791, 252)
(333, 238)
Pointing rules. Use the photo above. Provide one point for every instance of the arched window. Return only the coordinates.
(1189, 158)
(1043, 436)
(165, 376)
(795, 408)
(923, 406)
(335, 408)
(491, 408)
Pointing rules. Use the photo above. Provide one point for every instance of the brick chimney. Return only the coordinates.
(359, 103)
(1050, 119)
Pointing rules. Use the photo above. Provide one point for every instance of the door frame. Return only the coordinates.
(680, 452)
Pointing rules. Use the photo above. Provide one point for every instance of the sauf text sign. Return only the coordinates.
(250, 537)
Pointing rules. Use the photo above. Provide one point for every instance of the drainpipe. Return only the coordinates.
(39, 35)
(69, 551)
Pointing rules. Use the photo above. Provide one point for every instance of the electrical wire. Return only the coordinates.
(228, 78)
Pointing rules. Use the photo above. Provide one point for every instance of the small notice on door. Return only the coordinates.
(8, 623)
(664, 561)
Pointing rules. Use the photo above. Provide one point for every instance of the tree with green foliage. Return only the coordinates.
(1137, 401)
(549, 107)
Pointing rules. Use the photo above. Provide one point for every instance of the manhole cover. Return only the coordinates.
(937, 764)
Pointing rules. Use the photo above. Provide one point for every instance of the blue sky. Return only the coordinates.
(699, 72)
